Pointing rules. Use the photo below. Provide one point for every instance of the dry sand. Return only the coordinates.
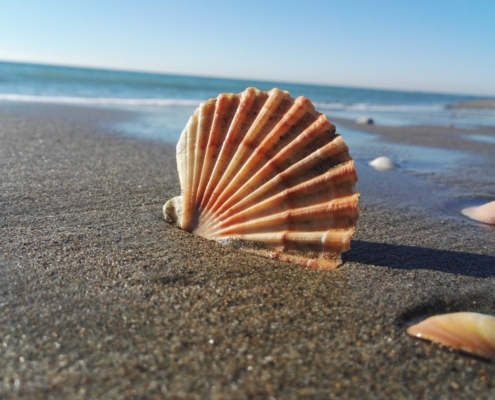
(100, 298)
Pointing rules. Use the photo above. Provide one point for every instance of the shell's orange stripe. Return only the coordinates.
(279, 180)
(236, 170)
(281, 201)
(247, 99)
(326, 239)
(221, 109)
(319, 126)
(328, 214)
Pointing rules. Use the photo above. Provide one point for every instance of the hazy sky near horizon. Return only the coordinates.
(422, 45)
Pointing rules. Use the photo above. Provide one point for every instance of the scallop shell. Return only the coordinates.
(467, 331)
(484, 213)
(267, 173)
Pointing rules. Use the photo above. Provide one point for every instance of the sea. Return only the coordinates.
(167, 100)
(161, 104)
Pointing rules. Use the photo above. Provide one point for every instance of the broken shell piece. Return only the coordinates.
(382, 164)
(484, 213)
(266, 168)
(467, 331)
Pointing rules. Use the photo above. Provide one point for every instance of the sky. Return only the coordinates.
(434, 46)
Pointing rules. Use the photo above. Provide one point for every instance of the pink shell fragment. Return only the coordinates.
(467, 331)
(484, 213)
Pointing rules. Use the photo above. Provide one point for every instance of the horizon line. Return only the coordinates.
(155, 72)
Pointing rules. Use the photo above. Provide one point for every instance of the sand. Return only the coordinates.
(100, 298)
(474, 104)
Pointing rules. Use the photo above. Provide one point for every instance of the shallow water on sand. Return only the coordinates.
(416, 116)
(408, 184)
(366, 146)
(161, 124)
(166, 124)
(480, 138)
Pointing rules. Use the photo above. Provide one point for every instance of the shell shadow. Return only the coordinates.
(411, 257)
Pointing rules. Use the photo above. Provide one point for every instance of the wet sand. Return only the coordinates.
(99, 297)
(474, 104)
(446, 137)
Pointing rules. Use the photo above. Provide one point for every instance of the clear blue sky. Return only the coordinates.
(432, 45)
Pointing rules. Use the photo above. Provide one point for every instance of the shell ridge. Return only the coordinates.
(341, 208)
(181, 155)
(222, 103)
(245, 144)
(280, 205)
(331, 238)
(224, 115)
(299, 167)
(183, 164)
(274, 98)
(188, 196)
(305, 188)
(331, 215)
(291, 117)
(274, 163)
(204, 126)
(246, 101)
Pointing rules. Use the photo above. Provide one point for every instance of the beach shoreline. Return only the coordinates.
(474, 104)
(101, 297)
(445, 137)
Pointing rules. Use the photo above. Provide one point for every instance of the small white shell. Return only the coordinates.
(264, 167)
(470, 332)
(382, 164)
(365, 121)
(484, 213)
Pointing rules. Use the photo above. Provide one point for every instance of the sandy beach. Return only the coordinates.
(100, 298)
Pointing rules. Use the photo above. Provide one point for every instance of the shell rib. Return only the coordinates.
(263, 167)
(470, 332)
(484, 213)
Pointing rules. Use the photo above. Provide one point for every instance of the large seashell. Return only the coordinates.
(484, 213)
(264, 167)
(471, 332)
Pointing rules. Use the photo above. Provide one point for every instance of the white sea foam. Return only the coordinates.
(98, 100)
(193, 103)
(378, 107)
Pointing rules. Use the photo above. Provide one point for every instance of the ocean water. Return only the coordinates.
(161, 104)
(165, 102)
